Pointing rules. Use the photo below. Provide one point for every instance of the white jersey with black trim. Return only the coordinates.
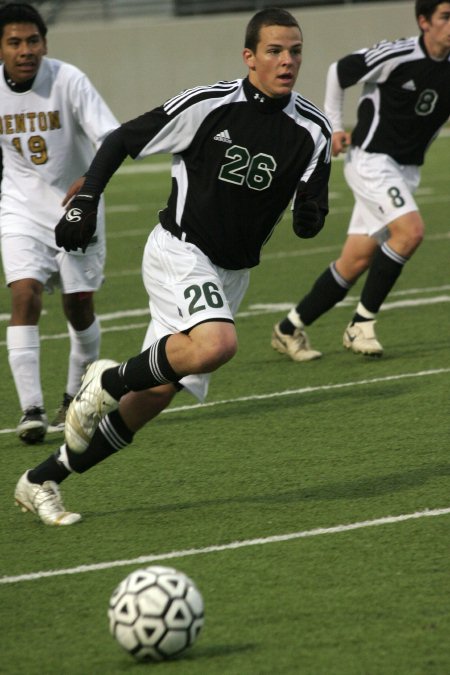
(48, 137)
(239, 158)
(405, 98)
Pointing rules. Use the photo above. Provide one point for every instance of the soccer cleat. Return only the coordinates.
(89, 406)
(361, 339)
(296, 346)
(58, 422)
(32, 426)
(43, 500)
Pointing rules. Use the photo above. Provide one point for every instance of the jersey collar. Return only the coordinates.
(264, 103)
(19, 88)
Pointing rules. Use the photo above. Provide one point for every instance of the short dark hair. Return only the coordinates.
(271, 16)
(426, 8)
(21, 12)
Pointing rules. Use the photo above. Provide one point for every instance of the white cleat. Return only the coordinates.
(89, 406)
(296, 346)
(43, 500)
(361, 338)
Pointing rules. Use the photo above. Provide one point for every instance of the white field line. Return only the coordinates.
(310, 390)
(133, 169)
(280, 255)
(124, 208)
(262, 541)
(254, 310)
(295, 392)
(402, 303)
(338, 210)
(260, 308)
(109, 329)
(305, 252)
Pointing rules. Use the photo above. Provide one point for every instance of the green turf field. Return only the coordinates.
(310, 502)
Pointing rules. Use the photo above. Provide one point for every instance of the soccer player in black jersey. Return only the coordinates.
(404, 102)
(243, 151)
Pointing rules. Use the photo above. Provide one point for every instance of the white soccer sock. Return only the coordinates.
(84, 348)
(295, 319)
(61, 456)
(362, 311)
(24, 359)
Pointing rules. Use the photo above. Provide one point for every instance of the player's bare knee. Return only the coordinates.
(417, 238)
(26, 295)
(79, 309)
(405, 243)
(216, 354)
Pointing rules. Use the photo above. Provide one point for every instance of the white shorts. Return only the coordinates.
(186, 289)
(27, 258)
(383, 190)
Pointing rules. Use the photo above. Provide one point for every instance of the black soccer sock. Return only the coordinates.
(286, 327)
(147, 370)
(328, 289)
(111, 435)
(384, 271)
(49, 469)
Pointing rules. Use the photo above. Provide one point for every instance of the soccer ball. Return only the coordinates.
(155, 613)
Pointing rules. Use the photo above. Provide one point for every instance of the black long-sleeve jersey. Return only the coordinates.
(405, 98)
(239, 158)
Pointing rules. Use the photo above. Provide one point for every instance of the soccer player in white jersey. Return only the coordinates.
(404, 102)
(242, 152)
(51, 121)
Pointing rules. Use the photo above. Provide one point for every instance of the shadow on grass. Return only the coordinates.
(192, 655)
(365, 488)
(212, 651)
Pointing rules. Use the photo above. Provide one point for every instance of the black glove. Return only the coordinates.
(77, 226)
(308, 220)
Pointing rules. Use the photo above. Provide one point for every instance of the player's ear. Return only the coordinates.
(422, 22)
(45, 46)
(249, 58)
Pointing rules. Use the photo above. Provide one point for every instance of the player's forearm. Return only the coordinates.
(334, 99)
(109, 157)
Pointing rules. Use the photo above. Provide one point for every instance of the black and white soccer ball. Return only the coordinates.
(156, 613)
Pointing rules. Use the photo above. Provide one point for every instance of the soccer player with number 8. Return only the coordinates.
(404, 102)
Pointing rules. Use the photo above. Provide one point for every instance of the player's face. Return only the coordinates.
(436, 31)
(21, 50)
(274, 66)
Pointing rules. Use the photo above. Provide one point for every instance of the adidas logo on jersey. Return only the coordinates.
(410, 85)
(223, 136)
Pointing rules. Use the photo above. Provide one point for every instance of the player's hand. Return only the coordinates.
(340, 141)
(308, 220)
(76, 228)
